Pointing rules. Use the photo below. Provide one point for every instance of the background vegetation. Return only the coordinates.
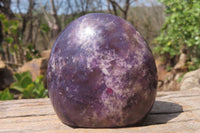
(180, 34)
(171, 28)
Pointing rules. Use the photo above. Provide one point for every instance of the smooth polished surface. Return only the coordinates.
(101, 73)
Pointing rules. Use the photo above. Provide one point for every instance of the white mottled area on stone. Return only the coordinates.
(86, 33)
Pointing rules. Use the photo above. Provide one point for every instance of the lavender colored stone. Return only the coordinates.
(101, 73)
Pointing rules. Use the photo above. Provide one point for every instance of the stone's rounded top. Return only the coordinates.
(101, 73)
(93, 25)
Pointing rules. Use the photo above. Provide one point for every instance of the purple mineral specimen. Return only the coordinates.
(101, 73)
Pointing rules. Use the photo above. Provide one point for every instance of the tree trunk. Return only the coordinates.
(30, 17)
(116, 6)
(6, 9)
(125, 12)
(53, 23)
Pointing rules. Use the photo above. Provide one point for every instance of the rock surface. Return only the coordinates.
(37, 66)
(2, 64)
(191, 80)
(46, 53)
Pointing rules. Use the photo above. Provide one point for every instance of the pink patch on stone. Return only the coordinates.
(109, 91)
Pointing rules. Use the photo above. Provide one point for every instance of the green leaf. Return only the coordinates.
(17, 77)
(27, 73)
(28, 87)
(6, 95)
(28, 92)
(2, 17)
(16, 86)
(6, 23)
(25, 81)
(45, 28)
(29, 56)
(9, 40)
(39, 79)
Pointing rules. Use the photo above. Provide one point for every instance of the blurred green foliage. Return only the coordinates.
(14, 38)
(45, 28)
(27, 87)
(180, 30)
(6, 95)
(31, 52)
(194, 64)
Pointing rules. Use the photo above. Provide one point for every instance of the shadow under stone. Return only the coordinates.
(161, 113)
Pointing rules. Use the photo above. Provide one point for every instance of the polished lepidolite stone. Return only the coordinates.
(101, 73)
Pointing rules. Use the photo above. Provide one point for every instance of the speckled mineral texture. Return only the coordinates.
(101, 73)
